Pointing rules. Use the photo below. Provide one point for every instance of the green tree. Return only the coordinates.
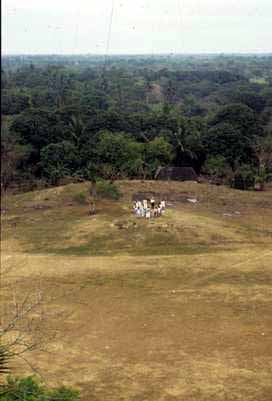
(77, 129)
(185, 135)
(156, 153)
(251, 99)
(39, 128)
(12, 156)
(14, 102)
(263, 153)
(59, 160)
(118, 155)
(241, 117)
(216, 166)
(228, 141)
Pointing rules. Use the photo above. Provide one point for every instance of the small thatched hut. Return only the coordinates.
(176, 173)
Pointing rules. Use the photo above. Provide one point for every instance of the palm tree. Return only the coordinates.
(5, 356)
(180, 145)
(77, 128)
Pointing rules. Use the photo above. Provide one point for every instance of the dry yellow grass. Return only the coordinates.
(176, 309)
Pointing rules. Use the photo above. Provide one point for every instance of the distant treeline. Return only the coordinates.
(90, 116)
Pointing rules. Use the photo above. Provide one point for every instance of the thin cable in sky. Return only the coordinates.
(109, 30)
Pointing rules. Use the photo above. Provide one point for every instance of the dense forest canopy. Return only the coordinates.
(124, 116)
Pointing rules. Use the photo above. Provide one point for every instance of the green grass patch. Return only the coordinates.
(258, 80)
(80, 198)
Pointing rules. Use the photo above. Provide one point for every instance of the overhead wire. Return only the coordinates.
(108, 40)
(107, 49)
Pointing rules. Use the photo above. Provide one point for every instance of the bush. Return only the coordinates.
(262, 178)
(216, 166)
(80, 198)
(107, 189)
(243, 178)
(30, 389)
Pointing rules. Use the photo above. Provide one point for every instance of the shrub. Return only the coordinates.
(107, 189)
(243, 178)
(80, 198)
(216, 166)
(30, 389)
(262, 178)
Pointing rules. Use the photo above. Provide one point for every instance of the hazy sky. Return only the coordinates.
(138, 26)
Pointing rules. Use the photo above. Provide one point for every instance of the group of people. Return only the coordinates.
(149, 208)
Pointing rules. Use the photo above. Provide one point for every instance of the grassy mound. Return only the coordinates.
(176, 308)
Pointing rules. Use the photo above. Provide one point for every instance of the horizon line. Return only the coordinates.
(102, 55)
(140, 54)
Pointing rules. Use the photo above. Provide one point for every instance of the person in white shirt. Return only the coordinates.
(147, 213)
(142, 209)
(159, 210)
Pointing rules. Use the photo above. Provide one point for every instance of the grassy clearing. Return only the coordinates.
(177, 309)
(258, 80)
(63, 227)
